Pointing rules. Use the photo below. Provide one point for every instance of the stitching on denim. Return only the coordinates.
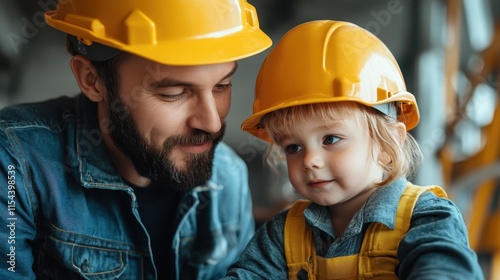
(122, 265)
(130, 245)
(18, 150)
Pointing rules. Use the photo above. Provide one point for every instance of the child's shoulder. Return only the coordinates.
(412, 189)
(434, 198)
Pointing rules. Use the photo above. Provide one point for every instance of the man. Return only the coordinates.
(129, 179)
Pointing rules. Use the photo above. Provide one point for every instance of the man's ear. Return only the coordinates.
(87, 79)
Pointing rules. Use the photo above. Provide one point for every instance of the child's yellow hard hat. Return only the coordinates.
(174, 32)
(329, 61)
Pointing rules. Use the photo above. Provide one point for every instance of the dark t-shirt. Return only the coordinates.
(158, 206)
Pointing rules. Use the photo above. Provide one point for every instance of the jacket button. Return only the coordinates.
(302, 275)
(85, 266)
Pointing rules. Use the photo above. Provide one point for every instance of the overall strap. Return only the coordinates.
(377, 258)
(299, 245)
(408, 201)
(378, 254)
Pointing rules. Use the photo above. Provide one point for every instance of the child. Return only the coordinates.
(332, 96)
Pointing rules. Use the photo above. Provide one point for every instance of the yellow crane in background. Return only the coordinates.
(474, 179)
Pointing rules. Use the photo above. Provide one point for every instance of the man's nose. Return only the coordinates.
(205, 115)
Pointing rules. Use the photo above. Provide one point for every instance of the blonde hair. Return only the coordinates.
(405, 156)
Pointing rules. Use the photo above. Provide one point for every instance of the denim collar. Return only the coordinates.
(95, 169)
(380, 207)
(383, 204)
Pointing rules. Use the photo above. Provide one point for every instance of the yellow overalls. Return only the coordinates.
(377, 258)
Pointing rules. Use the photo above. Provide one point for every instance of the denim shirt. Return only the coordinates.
(435, 247)
(67, 214)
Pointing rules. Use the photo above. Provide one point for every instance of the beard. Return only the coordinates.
(155, 163)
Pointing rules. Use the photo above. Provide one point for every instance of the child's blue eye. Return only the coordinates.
(292, 149)
(330, 139)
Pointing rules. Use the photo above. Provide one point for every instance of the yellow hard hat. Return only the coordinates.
(329, 61)
(174, 32)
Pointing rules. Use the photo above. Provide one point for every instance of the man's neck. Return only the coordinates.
(122, 162)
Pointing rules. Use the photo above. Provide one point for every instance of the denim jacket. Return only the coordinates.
(435, 247)
(67, 214)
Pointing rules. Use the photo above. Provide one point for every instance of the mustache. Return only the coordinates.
(197, 137)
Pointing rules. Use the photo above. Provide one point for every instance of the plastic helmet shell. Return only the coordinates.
(174, 32)
(329, 61)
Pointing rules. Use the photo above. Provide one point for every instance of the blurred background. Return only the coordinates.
(449, 53)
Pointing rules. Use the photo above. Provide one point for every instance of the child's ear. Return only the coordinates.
(87, 78)
(400, 127)
(384, 158)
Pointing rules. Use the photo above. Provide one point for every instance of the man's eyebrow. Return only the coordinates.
(231, 73)
(168, 82)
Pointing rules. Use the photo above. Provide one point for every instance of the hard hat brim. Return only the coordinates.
(411, 116)
(209, 50)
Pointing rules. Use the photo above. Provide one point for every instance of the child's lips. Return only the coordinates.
(319, 183)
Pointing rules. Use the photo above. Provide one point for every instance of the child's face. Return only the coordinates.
(331, 162)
